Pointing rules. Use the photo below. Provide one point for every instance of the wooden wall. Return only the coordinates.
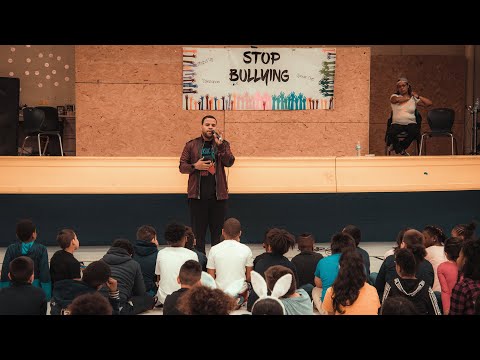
(129, 103)
(441, 78)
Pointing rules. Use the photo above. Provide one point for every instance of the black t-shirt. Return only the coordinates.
(63, 265)
(170, 305)
(306, 264)
(207, 180)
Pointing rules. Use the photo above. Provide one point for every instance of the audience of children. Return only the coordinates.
(423, 267)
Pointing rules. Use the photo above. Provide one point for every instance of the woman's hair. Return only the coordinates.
(354, 232)
(471, 254)
(341, 242)
(402, 79)
(399, 238)
(203, 300)
(435, 231)
(350, 279)
(405, 260)
(414, 239)
(465, 231)
(452, 248)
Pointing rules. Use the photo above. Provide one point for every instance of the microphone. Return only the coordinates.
(217, 135)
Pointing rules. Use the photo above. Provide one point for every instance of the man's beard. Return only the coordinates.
(207, 136)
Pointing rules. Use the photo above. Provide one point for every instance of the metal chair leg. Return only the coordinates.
(46, 145)
(39, 145)
(452, 143)
(23, 145)
(60, 141)
(421, 145)
(39, 138)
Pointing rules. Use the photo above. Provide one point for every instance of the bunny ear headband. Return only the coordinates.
(233, 289)
(281, 287)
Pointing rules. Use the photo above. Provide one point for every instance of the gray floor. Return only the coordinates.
(87, 254)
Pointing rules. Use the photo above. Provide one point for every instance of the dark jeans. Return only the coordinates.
(395, 129)
(137, 305)
(308, 288)
(207, 213)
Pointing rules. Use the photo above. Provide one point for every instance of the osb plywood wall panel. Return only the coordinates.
(129, 103)
(440, 78)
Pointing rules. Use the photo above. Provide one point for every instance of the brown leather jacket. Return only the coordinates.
(191, 154)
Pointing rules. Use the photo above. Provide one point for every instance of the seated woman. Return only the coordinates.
(404, 103)
(350, 293)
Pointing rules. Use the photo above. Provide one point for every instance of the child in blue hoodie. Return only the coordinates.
(27, 234)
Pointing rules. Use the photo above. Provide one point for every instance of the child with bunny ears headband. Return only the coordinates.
(280, 288)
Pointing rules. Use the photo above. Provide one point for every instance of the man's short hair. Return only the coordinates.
(208, 117)
(280, 240)
(124, 244)
(90, 304)
(305, 241)
(65, 237)
(146, 233)
(190, 272)
(25, 230)
(232, 228)
(96, 274)
(21, 269)
(175, 232)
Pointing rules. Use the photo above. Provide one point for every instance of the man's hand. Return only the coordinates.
(111, 284)
(217, 136)
(203, 164)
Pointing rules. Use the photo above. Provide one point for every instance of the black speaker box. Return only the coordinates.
(9, 110)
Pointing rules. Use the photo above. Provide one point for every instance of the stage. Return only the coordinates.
(106, 198)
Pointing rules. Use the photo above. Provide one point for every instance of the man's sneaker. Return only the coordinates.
(390, 148)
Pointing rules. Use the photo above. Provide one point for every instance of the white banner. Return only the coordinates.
(258, 79)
